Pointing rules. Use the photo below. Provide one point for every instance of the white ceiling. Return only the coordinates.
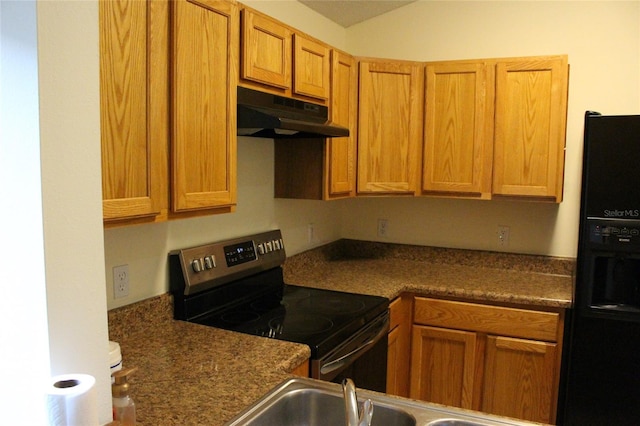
(350, 12)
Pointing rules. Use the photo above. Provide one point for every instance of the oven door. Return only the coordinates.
(363, 358)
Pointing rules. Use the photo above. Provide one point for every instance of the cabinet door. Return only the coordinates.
(399, 355)
(443, 365)
(312, 64)
(458, 135)
(530, 127)
(205, 49)
(266, 50)
(519, 379)
(133, 107)
(393, 355)
(340, 170)
(389, 127)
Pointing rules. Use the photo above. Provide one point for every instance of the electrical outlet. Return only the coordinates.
(311, 238)
(503, 236)
(382, 227)
(120, 281)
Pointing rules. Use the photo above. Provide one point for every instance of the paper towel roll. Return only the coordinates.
(71, 400)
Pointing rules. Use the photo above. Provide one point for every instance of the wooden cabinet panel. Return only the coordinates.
(298, 168)
(487, 319)
(530, 127)
(443, 366)
(340, 168)
(520, 378)
(458, 136)
(133, 107)
(266, 50)
(312, 64)
(399, 354)
(389, 127)
(302, 370)
(398, 314)
(393, 355)
(205, 49)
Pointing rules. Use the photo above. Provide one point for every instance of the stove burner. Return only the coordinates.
(299, 294)
(240, 317)
(266, 304)
(300, 324)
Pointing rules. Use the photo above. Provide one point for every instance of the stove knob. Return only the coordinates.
(196, 264)
(210, 262)
(276, 244)
(261, 248)
(269, 246)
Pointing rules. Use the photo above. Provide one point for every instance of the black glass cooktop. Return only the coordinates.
(321, 319)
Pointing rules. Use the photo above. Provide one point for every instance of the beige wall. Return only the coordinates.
(71, 194)
(145, 247)
(601, 38)
(23, 305)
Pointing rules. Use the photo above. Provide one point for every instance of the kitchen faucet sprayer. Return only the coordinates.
(352, 417)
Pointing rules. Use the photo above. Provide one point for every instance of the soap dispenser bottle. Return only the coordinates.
(124, 410)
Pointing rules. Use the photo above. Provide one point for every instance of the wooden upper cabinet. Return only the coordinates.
(133, 108)
(458, 128)
(389, 127)
(312, 64)
(340, 167)
(323, 168)
(276, 58)
(530, 127)
(205, 58)
(266, 50)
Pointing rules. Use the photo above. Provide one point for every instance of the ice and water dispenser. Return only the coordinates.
(612, 267)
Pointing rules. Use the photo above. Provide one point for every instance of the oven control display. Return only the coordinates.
(240, 253)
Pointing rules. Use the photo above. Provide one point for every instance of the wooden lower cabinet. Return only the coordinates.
(496, 359)
(398, 356)
(302, 370)
(519, 378)
(442, 366)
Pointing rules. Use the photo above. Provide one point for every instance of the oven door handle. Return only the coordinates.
(347, 358)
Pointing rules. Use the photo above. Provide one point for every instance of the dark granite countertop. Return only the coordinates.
(391, 269)
(190, 374)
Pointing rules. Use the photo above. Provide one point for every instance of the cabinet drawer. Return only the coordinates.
(500, 320)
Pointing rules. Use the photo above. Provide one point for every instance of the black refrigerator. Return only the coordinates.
(601, 381)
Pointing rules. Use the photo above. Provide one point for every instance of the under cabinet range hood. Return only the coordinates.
(271, 116)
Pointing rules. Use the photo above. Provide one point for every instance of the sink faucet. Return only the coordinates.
(353, 418)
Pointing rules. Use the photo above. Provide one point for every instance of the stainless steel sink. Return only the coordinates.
(309, 402)
(311, 407)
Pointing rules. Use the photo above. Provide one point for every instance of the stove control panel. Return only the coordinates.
(240, 253)
(221, 262)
